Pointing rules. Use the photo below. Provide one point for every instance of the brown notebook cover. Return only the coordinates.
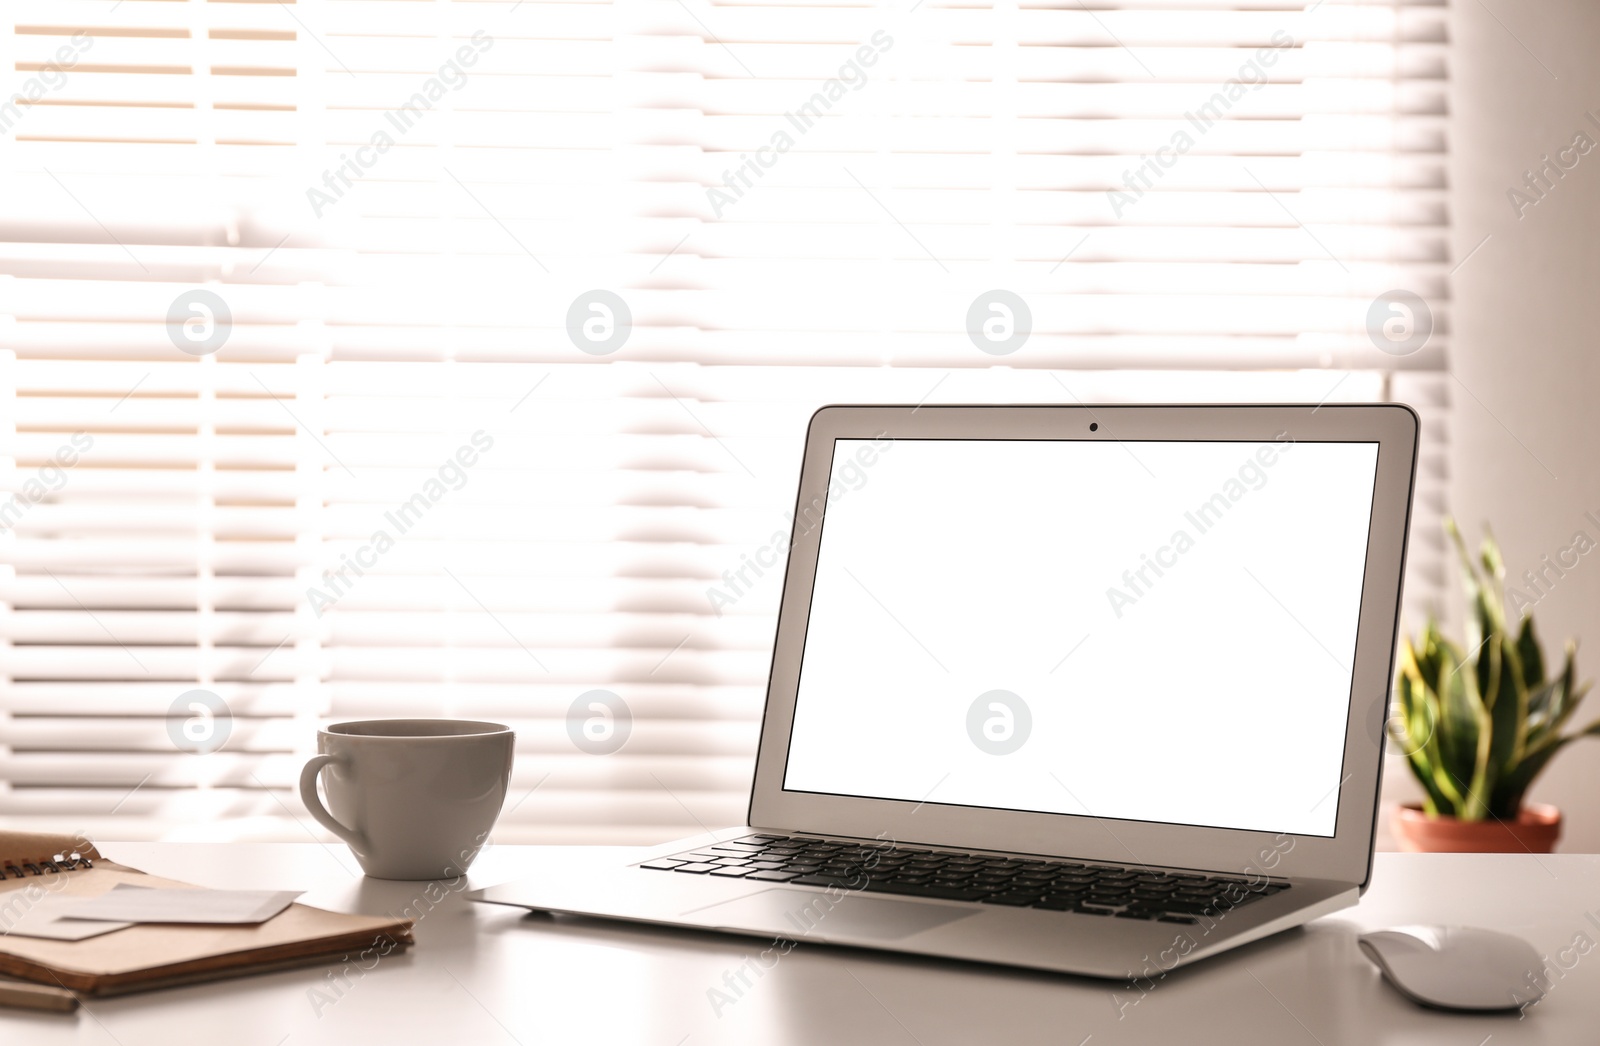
(159, 956)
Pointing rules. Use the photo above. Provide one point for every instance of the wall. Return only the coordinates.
(1525, 428)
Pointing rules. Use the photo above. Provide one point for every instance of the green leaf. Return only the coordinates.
(1513, 785)
(1420, 713)
(1462, 737)
(1479, 623)
(1426, 657)
(1508, 707)
(1571, 695)
(1531, 656)
(1456, 728)
(1421, 762)
(1540, 702)
(1494, 570)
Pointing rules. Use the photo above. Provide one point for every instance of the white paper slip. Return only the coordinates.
(46, 918)
(137, 904)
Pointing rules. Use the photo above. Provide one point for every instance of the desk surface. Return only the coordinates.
(491, 975)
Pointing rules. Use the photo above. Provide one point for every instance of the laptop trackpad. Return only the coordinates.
(802, 913)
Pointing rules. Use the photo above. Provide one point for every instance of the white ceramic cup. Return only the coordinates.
(413, 798)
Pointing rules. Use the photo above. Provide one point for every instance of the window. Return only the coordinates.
(363, 358)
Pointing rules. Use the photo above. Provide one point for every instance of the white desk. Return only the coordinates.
(492, 976)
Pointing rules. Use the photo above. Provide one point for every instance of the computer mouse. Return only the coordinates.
(1457, 967)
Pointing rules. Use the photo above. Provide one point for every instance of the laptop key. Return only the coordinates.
(697, 869)
(818, 880)
(663, 864)
(1057, 904)
(1015, 900)
(728, 871)
(1185, 908)
(772, 875)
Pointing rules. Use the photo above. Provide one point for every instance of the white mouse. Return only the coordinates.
(1458, 967)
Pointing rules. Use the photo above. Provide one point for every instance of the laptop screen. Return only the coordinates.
(1151, 631)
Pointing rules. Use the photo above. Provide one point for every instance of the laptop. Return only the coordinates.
(1073, 689)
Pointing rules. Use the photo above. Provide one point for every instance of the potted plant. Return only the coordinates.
(1478, 727)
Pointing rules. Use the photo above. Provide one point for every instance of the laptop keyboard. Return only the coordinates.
(1060, 886)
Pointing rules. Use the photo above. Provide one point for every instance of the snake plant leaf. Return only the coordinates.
(1509, 792)
(1530, 654)
(1475, 804)
(1455, 694)
(1540, 703)
(1513, 785)
(1494, 570)
(1435, 800)
(1444, 796)
(1552, 705)
(1425, 656)
(1508, 707)
(1463, 736)
(1567, 700)
(1479, 623)
(1415, 734)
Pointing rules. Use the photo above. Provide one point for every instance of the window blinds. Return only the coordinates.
(368, 358)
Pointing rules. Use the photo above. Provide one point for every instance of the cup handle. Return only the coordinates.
(308, 795)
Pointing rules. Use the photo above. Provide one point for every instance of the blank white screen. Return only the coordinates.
(1212, 691)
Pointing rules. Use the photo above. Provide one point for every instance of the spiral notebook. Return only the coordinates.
(39, 868)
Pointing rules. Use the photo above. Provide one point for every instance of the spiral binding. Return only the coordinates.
(51, 865)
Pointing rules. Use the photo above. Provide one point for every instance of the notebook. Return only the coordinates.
(39, 867)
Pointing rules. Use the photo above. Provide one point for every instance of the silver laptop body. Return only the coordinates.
(1078, 689)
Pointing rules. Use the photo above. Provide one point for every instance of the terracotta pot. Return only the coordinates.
(1535, 830)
